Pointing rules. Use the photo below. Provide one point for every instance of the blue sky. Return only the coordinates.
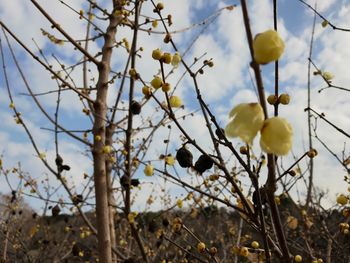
(223, 86)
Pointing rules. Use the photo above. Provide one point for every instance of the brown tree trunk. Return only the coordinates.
(99, 129)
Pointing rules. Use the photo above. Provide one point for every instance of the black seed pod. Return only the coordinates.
(66, 167)
(76, 250)
(77, 199)
(203, 163)
(124, 181)
(184, 157)
(135, 107)
(220, 133)
(55, 210)
(135, 182)
(59, 160)
(165, 222)
(152, 226)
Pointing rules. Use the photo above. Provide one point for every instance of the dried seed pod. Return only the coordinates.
(165, 222)
(135, 182)
(135, 107)
(77, 199)
(58, 160)
(152, 226)
(203, 163)
(124, 181)
(184, 157)
(55, 210)
(65, 167)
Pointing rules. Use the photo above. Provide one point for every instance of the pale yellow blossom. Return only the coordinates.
(276, 136)
(246, 120)
(268, 46)
(175, 102)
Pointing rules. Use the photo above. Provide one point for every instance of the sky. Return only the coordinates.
(223, 86)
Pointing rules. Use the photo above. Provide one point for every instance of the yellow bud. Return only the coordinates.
(156, 82)
(147, 91)
(243, 150)
(255, 244)
(98, 138)
(276, 136)
(246, 120)
(160, 6)
(167, 38)
(131, 217)
(244, 252)
(298, 258)
(324, 23)
(166, 58)
(157, 54)
(179, 203)
(12, 105)
(312, 153)
(106, 149)
(133, 73)
(166, 87)
(213, 177)
(342, 199)
(201, 247)
(148, 170)
(272, 99)
(175, 102)
(284, 99)
(86, 111)
(277, 200)
(154, 23)
(268, 47)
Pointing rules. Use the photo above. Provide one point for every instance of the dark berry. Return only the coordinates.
(184, 157)
(203, 163)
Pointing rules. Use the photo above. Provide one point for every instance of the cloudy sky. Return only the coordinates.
(223, 86)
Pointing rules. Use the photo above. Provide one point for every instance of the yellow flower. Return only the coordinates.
(268, 47)
(327, 75)
(246, 120)
(148, 170)
(176, 60)
(175, 102)
(179, 203)
(169, 160)
(276, 136)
